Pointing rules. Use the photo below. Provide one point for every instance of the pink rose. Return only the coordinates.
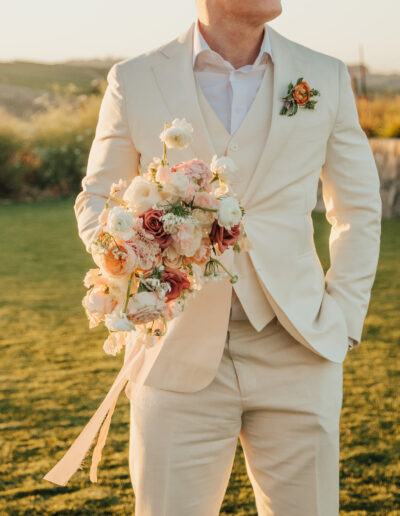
(196, 170)
(225, 238)
(187, 238)
(154, 226)
(144, 307)
(177, 280)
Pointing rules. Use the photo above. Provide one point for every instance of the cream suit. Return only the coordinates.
(320, 312)
(195, 364)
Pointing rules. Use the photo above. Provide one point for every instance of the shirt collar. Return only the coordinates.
(201, 45)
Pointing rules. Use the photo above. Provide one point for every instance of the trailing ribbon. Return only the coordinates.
(101, 419)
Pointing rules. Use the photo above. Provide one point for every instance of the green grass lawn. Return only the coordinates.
(54, 374)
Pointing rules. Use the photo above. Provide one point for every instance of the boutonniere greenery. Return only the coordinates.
(298, 95)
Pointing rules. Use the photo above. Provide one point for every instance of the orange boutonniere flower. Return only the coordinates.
(299, 95)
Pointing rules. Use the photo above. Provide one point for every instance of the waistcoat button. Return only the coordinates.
(234, 146)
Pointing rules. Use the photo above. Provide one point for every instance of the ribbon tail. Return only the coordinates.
(101, 441)
(72, 460)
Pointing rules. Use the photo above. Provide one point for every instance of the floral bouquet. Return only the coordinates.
(160, 242)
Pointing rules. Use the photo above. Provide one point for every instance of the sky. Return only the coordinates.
(53, 31)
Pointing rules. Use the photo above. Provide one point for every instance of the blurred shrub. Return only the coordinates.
(380, 117)
(47, 154)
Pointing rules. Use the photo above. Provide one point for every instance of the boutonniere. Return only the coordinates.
(299, 95)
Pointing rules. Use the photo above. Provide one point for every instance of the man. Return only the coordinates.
(262, 362)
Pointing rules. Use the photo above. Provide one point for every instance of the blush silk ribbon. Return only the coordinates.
(100, 421)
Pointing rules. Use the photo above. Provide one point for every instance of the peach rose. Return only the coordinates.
(118, 260)
(301, 93)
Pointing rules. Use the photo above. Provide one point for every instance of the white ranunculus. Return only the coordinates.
(225, 168)
(141, 195)
(229, 212)
(119, 223)
(118, 321)
(178, 135)
(179, 183)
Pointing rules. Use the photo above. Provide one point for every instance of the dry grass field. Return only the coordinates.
(54, 374)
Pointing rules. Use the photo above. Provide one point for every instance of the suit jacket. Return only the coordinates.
(321, 312)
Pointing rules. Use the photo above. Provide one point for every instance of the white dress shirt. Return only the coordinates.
(230, 91)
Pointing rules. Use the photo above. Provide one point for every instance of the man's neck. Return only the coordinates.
(237, 43)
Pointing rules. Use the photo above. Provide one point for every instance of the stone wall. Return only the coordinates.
(387, 157)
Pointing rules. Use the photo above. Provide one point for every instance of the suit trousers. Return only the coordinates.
(279, 398)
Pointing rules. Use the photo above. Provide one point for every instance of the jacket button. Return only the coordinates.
(234, 146)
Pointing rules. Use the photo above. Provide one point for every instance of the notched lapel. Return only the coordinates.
(175, 79)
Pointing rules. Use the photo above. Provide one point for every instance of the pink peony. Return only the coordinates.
(187, 238)
(196, 170)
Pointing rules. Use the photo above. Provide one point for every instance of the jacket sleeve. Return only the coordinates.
(350, 188)
(112, 156)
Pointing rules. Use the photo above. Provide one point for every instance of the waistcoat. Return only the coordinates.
(251, 135)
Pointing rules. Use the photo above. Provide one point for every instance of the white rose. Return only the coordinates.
(179, 135)
(225, 168)
(118, 321)
(141, 195)
(119, 223)
(229, 212)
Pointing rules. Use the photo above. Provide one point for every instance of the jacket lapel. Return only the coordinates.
(286, 69)
(176, 81)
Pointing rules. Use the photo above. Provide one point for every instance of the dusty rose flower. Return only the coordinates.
(301, 93)
(97, 304)
(195, 170)
(154, 226)
(223, 237)
(177, 280)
